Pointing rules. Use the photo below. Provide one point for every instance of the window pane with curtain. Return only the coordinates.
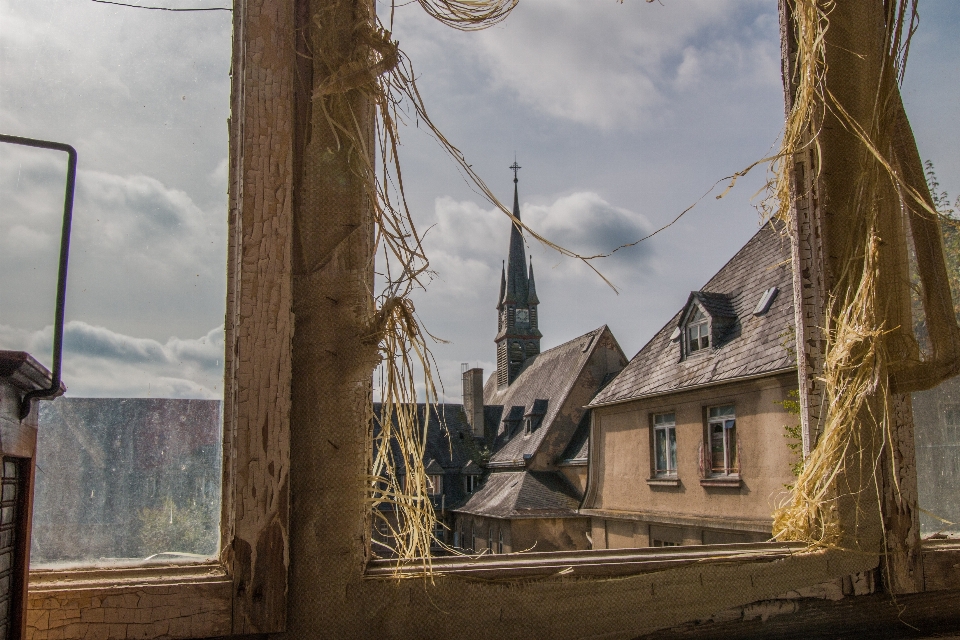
(722, 427)
(129, 460)
(698, 335)
(665, 444)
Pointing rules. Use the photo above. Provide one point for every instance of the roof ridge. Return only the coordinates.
(597, 330)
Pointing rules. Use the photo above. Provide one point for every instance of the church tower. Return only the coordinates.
(518, 336)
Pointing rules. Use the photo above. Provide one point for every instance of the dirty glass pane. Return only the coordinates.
(129, 460)
(936, 415)
(661, 445)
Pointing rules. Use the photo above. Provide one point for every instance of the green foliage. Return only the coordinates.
(189, 528)
(792, 433)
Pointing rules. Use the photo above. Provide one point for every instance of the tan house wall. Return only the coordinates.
(576, 475)
(525, 534)
(690, 513)
(470, 524)
(550, 534)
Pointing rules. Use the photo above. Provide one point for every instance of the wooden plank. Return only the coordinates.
(941, 566)
(113, 609)
(257, 412)
(810, 283)
(872, 616)
(904, 570)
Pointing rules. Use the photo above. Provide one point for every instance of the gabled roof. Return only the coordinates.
(758, 346)
(546, 379)
(471, 469)
(523, 494)
(717, 305)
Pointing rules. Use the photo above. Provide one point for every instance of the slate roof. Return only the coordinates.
(451, 449)
(718, 305)
(517, 281)
(547, 377)
(753, 345)
(579, 447)
(523, 494)
(453, 452)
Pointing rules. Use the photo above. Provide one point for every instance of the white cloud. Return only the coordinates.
(98, 362)
(467, 243)
(139, 250)
(614, 66)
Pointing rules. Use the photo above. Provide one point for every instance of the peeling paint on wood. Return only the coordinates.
(257, 410)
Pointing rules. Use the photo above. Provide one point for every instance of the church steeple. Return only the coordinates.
(532, 287)
(518, 337)
(516, 258)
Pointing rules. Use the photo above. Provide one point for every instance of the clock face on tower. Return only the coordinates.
(523, 315)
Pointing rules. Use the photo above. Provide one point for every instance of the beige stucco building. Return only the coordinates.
(688, 442)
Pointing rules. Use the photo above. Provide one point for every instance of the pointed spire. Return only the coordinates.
(516, 272)
(503, 284)
(532, 287)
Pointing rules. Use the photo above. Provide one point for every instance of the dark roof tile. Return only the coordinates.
(756, 345)
(519, 494)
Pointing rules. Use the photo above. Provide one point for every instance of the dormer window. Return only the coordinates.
(698, 331)
(434, 485)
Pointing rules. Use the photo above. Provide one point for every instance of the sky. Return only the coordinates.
(620, 115)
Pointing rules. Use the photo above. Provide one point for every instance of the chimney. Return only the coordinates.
(473, 398)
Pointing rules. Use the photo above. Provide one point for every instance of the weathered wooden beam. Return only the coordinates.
(259, 321)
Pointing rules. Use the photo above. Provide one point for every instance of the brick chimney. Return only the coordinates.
(473, 398)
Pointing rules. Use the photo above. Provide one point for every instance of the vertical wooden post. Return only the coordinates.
(824, 192)
(259, 321)
(810, 277)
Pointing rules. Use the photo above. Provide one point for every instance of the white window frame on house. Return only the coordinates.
(665, 433)
(434, 485)
(245, 590)
(696, 330)
(723, 417)
(663, 543)
(469, 483)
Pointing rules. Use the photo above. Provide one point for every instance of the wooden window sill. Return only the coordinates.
(188, 601)
(664, 481)
(593, 562)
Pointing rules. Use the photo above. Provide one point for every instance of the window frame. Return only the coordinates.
(731, 442)
(338, 590)
(434, 485)
(244, 589)
(703, 324)
(670, 453)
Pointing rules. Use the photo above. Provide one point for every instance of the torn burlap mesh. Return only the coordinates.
(847, 110)
(358, 81)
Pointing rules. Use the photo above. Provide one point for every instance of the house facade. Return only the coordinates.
(688, 442)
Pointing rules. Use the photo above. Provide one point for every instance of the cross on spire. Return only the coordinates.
(515, 168)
